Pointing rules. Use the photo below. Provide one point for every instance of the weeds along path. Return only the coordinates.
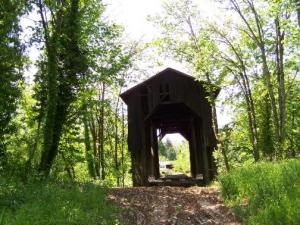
(171, 205)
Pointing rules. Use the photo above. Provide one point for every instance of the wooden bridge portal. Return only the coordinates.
(169, 102)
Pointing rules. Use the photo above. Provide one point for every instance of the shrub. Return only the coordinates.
(55, 203)
(265, 193)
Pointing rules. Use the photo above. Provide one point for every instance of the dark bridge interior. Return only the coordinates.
(170, 118)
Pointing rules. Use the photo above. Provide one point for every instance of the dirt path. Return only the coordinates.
(172, 206)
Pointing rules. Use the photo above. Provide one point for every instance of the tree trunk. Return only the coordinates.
(32, 151)
(266, 73)
(243, 81)
(292, 146)
(251, 115)
(95, 150)
(215, 123)
(68, 167)
(101, 132)
(259, 40)
(59, 91)
(47, 159)
(122, 146)
(116, 143)
(279, 50)
(298, 11)
(52, 93)
(88, 149)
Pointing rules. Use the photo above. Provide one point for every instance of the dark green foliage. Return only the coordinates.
(11, 61)
(63, 48)
(293, 120)
(265, 193)
(88, 147)
(82, 53)
(167, 150)
(50, 203)
(266, 139)
(70, 151)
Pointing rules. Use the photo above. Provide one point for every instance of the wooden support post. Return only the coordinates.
(148, 159)
(193, 150)
(155, 153)
(211, 163)
(192, 158)
(203, 144)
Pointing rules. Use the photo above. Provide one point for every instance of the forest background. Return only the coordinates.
(65, 120)
(67, 117)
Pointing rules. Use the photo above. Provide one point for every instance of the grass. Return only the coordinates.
(265, 193)
(55, 203)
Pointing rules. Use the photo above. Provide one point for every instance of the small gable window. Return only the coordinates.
(164, 92)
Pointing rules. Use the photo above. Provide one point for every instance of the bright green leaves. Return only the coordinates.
(265, 193)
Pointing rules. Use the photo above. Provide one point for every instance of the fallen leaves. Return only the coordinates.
(172, 206)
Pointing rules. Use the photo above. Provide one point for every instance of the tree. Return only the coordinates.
(264, 27)
(188, 41)
(11, 65)
(66, 64)
(82, 69)
(167, 150)
(235, 60)
(255, 54)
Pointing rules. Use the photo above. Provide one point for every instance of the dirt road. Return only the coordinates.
(172, 206)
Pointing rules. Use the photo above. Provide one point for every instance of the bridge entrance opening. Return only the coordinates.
(174, 156)
(169, 119)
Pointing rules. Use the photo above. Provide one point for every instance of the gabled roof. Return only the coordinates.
(124, 94)
(167, 70)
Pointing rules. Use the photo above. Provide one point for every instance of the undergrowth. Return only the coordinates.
(54, 203)
(265, 193)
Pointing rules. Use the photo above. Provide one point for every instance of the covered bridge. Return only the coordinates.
(169, 102)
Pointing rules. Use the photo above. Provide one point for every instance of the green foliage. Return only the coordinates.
(55, 203)
(177, 154)
(236, 145)
(167, 150)
(241, 55)
(79, 51)
(63, 45)
(293, 119)
(21, 142)
(266, 134)
(182, 162)
(265, 193)
(71, 154)
(83, 52)
(11, 64)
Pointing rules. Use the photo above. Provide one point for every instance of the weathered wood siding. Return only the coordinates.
(173, 87)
